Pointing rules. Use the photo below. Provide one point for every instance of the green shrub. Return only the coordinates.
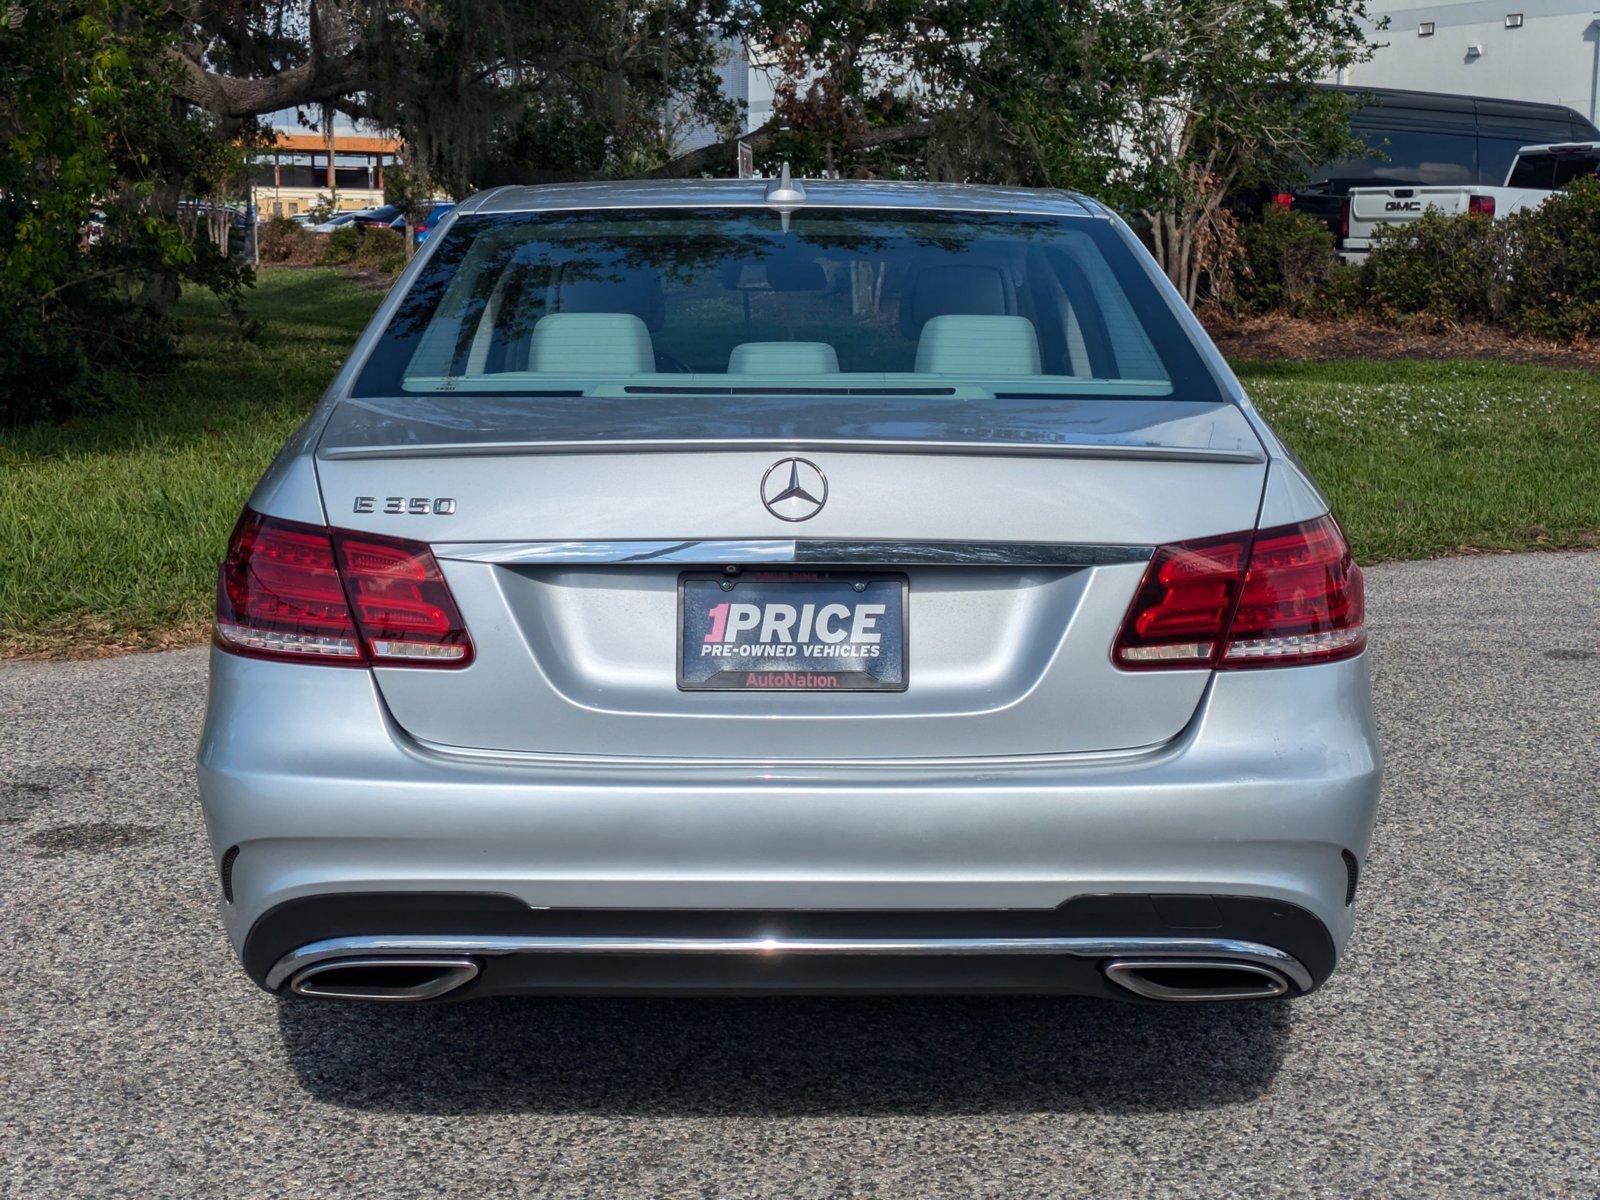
(281, 242)
(382, 250)
(369, 249)
(342, 246)
(1343, 291)
(1554, 255)
(1450, 266)
(1284, 261)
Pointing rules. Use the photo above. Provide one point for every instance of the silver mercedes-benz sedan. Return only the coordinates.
(742, 586)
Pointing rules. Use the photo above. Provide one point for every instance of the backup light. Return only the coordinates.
(312, 594)
(1272, 598)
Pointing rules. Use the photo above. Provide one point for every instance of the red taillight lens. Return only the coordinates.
(1182, 607)
(1344, 217)
(402, 604)
(1280, 596)
(1283, 199)
(304, 592)
(279, 594)
(1483, 206)
(1302, 599)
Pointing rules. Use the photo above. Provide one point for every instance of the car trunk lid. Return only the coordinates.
(1020, 530)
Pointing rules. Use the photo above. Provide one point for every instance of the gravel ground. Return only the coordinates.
(1456, 1052)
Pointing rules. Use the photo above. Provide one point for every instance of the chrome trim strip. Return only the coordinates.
(812, 551)
(863, 445)
(1076, 947)
(1126, 973)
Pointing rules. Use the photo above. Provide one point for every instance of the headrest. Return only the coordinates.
(634, 290)
(978, 346)
(966, 290)
(783, 358)
(591, 344)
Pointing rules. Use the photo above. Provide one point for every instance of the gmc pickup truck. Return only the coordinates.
(1535, 173)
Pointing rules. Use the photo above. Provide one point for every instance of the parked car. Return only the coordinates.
(376, 218)
(1534, 176)
(730, 585)
(337, 221)
(1431, 139)
(430, 221)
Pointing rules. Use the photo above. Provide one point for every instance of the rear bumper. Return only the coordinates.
(303, 771)
(513, 948)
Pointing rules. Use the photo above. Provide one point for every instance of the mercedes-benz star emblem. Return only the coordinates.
(794, 489)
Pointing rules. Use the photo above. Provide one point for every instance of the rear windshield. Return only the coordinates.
(1552, 169)
(692, 300)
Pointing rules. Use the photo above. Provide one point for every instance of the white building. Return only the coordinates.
(742, 79)
(1547, 50)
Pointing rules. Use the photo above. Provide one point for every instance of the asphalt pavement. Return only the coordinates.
(1456, 1052)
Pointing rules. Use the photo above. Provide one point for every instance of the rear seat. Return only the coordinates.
(590, 344)
(783, 358)
(952, 345)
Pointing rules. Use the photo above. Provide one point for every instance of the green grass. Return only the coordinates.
(1427, 458)
(110, 528)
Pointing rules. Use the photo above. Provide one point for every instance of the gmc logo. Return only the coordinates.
(1403, 206)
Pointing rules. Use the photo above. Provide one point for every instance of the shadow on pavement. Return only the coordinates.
(783, 1057)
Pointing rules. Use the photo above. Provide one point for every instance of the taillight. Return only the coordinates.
(1283, 199)
(1344, 217)
(279, 594)
(1302, 599)
(1279, 596)
(402, 604)
(1482, 206)
(308, 593)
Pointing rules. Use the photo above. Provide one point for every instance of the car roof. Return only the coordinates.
(751, 193)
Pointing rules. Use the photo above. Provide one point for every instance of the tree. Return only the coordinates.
(412, 193)
(89, 136)
(482, 91)
(1160, 107)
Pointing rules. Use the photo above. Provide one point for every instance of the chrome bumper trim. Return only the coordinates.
(815, 552)
(1075, 947)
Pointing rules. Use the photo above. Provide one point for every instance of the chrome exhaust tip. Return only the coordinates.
(1194, 979)
(392, 979)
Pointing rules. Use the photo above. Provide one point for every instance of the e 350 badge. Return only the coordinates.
(414, 506)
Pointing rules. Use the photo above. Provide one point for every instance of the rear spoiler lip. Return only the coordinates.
(1041, 449)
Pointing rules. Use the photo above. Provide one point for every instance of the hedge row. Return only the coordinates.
(1536, 271)
(283, 243)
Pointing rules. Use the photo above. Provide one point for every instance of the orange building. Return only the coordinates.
(304, 170)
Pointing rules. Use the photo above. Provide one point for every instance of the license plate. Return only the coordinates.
(792, 632)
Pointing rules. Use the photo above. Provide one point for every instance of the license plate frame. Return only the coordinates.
(800, 675)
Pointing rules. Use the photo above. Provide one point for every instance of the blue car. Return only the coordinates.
(430, 221)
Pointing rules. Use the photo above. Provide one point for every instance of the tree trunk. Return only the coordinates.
(159, 286)
(1174, 244)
